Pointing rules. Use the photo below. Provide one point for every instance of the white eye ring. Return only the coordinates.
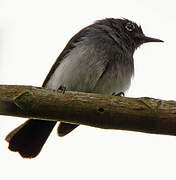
(130, 26)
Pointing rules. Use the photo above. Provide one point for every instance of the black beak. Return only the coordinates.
(149, 39)
(145, 39)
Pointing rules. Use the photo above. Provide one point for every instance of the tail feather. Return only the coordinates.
(29, 138)
(65, 128)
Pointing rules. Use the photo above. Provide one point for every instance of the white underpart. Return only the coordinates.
(80, 71)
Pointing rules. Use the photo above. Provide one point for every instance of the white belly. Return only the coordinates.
(80, 71)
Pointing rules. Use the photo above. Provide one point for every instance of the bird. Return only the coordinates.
(98, 59)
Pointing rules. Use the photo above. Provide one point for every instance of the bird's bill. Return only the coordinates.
(149, 39)
(146, 39)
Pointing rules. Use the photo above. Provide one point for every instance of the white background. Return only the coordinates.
(33, 33)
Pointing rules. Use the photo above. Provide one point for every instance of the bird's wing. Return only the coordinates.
(70, 45)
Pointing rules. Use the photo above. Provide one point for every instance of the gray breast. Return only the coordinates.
(89, 69)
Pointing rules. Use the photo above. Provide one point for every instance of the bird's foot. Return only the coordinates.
(118, 94)
(62, 88)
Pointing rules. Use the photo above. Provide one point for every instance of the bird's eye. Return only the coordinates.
(130, 26)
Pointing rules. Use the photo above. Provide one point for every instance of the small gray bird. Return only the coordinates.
(98, 59)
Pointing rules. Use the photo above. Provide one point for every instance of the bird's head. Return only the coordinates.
(129, 32)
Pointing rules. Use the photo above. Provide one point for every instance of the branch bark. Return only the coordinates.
(108, 112)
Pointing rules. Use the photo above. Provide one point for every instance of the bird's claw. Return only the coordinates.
(62, 88)
(118, 94)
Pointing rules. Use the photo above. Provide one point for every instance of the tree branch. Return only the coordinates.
(108, 112)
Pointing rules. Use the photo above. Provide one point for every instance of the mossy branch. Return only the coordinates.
(108, 112)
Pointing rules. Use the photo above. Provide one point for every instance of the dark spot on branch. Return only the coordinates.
(101, 110)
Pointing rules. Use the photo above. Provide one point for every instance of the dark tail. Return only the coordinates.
(29, 138)
(65, 128)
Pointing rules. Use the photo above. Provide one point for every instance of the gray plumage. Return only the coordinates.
(98, 59)
(90, 64)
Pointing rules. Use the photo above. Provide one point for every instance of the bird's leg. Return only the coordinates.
(118, 94)
(62, 88)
